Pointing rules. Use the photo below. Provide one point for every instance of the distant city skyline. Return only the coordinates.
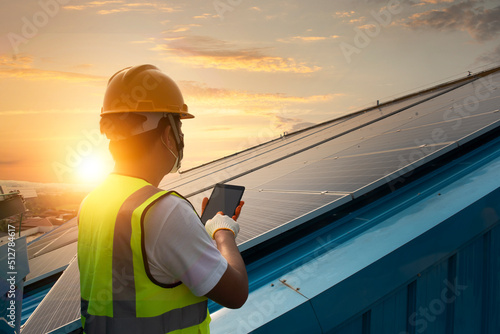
(249, 69)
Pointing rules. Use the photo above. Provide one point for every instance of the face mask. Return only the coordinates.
(177, 163)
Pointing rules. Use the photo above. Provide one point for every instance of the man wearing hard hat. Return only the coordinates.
(147, 264)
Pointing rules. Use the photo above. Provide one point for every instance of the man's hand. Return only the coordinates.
(220, 222)
(237, 212)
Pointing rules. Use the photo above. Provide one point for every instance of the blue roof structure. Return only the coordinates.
(381, 221)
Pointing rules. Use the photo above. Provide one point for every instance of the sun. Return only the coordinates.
(92, 169)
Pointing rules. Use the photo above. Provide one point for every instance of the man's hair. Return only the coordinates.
(123, 146)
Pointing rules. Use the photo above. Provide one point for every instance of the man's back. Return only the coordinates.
(117, 292)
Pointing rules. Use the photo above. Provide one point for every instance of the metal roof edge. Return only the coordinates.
(47, 274)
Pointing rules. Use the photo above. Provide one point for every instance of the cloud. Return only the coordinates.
(119, 6)
(82, 66)
(219, 98)
(178, 29)
(358, 20)
(289, 124)
(9, 162)
(367, 26)
(481, 23)
(17, 61)
(208, 52)
(344, 14)
(204, 16)
(38, 74)
(490, 57)
(150, 40)
(21, 67)
(182, 28)
(307, 38)
(430, 2)
(219, 128)
(93, 4)
(46, 112)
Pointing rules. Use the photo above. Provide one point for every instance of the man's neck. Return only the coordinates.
(141, 172)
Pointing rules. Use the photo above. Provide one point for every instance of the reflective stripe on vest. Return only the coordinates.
(126, 318)
(185, 317)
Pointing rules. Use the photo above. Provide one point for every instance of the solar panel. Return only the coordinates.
(343, 174)
(63, 235)
(267, 212)
(247, 161)
(60, 307)
(264, 211)
(50, 263)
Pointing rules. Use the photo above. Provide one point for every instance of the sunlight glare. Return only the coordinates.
(92, 169)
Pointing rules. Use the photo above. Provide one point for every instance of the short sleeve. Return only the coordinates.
(179, 249)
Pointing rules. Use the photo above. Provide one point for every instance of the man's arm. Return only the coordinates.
(232, 289)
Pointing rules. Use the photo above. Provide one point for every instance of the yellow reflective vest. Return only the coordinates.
(118, 292)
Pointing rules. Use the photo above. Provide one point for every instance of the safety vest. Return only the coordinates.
(118, 292)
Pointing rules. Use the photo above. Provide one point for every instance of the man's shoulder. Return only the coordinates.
(170, 203)
(173, 198)
(172, 216)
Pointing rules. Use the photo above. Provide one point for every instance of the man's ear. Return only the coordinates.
(167, 137)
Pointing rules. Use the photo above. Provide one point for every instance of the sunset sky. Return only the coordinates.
(249, 69)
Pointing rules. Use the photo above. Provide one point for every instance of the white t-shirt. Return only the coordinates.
(179, 249)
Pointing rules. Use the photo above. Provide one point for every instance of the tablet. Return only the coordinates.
(225, 198)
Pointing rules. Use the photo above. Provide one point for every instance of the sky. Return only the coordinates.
(249, 70)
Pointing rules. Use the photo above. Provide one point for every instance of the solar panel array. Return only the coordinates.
(247, 161)
(327, 165)
(302, 175)
(63, 235)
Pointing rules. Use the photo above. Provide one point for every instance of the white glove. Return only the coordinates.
(220, 222)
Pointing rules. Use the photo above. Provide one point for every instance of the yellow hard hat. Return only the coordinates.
(143, 89)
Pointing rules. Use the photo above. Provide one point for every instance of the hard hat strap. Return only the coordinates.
(173, 125)
(178, 141)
